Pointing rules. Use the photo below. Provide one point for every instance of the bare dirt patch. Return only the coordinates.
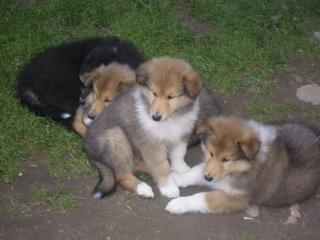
(192, 23)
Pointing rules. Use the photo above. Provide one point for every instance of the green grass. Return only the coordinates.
(267, 111)
(5, 209)
(251, 40)
(59, 199)
(253, 37)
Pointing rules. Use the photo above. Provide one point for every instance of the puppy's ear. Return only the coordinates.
(142, 74)
(192, 84)
(90, 77)
(202, 127)
(250, 146)
(127, 83)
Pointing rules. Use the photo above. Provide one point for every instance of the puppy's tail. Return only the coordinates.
(107, 183)
(30, 99)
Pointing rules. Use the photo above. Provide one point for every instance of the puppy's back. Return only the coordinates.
(302, 176)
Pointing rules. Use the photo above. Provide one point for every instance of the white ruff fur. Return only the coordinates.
(266, 135)
(173, 128)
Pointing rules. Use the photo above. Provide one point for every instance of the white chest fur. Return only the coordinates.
(171, 129)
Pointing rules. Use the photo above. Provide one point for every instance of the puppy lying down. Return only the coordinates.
(246, 162)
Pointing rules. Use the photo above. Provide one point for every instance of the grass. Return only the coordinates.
(267, 111)
(59, 199)
(251, 40)
(252, 37)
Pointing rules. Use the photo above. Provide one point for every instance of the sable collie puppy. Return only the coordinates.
(250, 163)
(107, 82)
(49, 85)
(151, 123)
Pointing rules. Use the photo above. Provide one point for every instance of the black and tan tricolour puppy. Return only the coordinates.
(49, 85)
(251, 163)
(152, 123)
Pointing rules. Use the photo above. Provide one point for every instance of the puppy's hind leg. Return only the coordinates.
(120, 157)
(106, 184)
(131, 183)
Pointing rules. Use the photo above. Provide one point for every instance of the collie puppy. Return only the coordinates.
(49, 85)
(250, 163)
(107, 82)
(151, 123)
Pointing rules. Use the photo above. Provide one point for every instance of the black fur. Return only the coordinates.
(49, 84)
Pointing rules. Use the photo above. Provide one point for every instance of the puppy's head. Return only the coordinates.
(168, 85)
(103, 53)
(229, 146)
(107, 82)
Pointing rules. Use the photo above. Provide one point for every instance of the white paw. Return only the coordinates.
(180, 166)
(170, 190)
(176, 206)
(98, 195)
(144, 190)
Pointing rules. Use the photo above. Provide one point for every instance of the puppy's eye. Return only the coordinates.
(170, 97)
(107, 100)
(225, 160)
(211, 154)
(154, 94)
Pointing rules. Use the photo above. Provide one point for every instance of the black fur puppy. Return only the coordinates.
(49, 85)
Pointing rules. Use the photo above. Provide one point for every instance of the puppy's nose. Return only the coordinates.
(91, 115)
(156, 117)
(208, 177)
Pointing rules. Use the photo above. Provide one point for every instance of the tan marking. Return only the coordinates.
(129, 182)
(220, 202)
(77, 124)
(140, 167)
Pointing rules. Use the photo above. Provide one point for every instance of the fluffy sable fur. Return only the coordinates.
(49, 84)
(250, 163)
(150, 123)
(107, 82)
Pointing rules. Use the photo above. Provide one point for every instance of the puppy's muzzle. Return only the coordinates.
(208, 177)
(156, 117)
(91, 116)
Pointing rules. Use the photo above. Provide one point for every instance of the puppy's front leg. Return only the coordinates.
(159, 168)
(194, 177)
(177, 158)
(215, 202)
